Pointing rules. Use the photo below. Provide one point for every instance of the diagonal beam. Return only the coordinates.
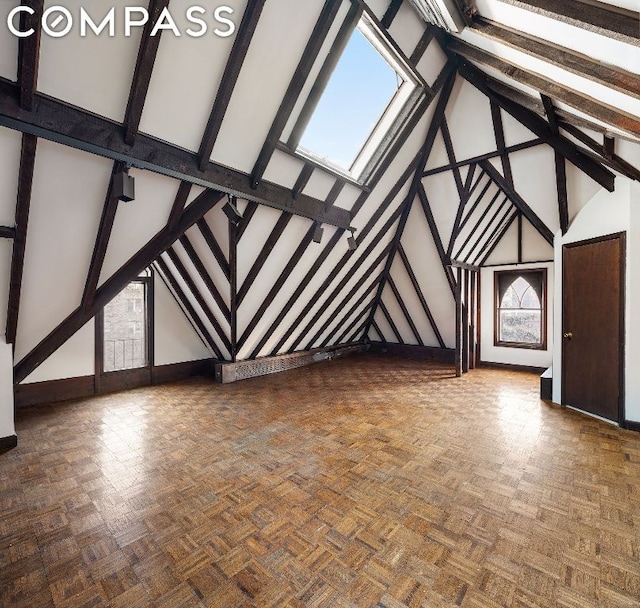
(116, 283)
(265, 252)
(477, 224)
(391, 13)
(505, 204)
(405, 311)
(179, 203)
(7, 232)
(539, 126)
(183, 300)
(144, 68)
(238, 54)
(518, 201)
(465, 195)
(250, 210)
(608, 114)
(102, 240)
(498, 237)
(29, 53)
(23, 204)
(498, 131)
(320, 31)
(416, 286)
(56, 121)
(214, 247)
(385, 312)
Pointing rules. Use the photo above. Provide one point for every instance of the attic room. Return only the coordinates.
(322, 303)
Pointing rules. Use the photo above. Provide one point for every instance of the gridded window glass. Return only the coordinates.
(520, 313)
(125, 340)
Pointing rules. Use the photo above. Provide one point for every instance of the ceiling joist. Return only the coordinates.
(56, 121)
(29, 52)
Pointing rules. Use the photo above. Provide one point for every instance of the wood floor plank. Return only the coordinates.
(363, 482)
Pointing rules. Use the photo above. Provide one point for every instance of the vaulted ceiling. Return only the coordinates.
(528, 112)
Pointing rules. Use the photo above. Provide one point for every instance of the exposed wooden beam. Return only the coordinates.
(416, 286)
(195, 292)
(464, 266)
(609, 115)
(358, 322)
(576, 63)
(478, 223)
(105, 227)
(303, 180)
(438, 120)
(277, 286)
(82, 130)
(520, 238)
(464, 199)
(525, 145)
(375, 326)
(186, 305)
(29, 53)
(204, 275)
(179, 203)
(469, 214)
(609, 146)
(405, 311)
(422, 46)
(458, 298)
(7, 232)
(23, 205)
(390, 13)
(540, 127)
(233, 289)
(250, 210)
(116, 283)
(147, 53)
(243, 38)
(498, 130)
(561, 170)
(265, 252)
(519, 202)
(478, 244)
(334, 193)
(320, 31)
(448, 144)
(615, 162)
(498, 237)
(426, 207)
(214, 247)
(385, 313)
(609, 20)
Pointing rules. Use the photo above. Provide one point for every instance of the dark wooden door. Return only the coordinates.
(593, 326)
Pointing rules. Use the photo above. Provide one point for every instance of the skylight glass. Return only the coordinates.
(358, 94)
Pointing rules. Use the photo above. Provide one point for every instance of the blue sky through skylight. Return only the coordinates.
(358, 92)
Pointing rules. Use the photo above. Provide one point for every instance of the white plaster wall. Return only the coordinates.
(633, 320)
(74, 359)
(7, 427)
(502, 354)
(606, 213)
(175, 339)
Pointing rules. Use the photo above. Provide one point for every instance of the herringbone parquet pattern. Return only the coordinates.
(366, 482)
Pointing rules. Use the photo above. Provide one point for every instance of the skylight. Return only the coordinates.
(360, 107)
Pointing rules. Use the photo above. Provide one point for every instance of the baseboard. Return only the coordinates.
(243, 370)
(181, 371)
(54, 390)
(513, 367)
(409, 351)
(8, 443)
(631, 425)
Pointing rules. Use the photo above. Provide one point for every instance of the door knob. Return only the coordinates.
(568, 335)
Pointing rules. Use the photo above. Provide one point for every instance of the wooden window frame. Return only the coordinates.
(542, 345)
(106, 382)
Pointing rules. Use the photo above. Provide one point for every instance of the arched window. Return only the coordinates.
(520, 308)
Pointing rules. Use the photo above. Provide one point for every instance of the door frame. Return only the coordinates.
(622, 236)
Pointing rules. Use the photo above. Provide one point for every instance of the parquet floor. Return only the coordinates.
(365, 482)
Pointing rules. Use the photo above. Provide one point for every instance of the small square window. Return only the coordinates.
(520, 309)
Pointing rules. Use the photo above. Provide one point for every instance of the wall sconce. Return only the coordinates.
(231, 211)
(124, 186)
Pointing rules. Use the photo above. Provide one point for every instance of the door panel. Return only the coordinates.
(593, 326)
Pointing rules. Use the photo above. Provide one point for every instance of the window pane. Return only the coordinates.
(522, 326)
(510, 299)
(359, 90)
(530, 299)
(125, 330)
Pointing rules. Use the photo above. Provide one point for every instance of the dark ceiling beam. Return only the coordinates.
(518, 201)
(179, 203)
(391, 13)
(498, 237)
(23, 205)
(615, 162)
(116, 283)
(478, 243)
(147, 53)
(247, 215)
(525, 145)
(7, 232)
(405, 311)
(318, 36)
(464, 199)
(477, 224)
(214, 247)
(422, 46)
(607, 114)
(235, 62)
(561, 169)
(539, 127)
(56, 121)
(498, 131)
(491, 240)
(582, 65)
(29, 53)
(612, 21)
(105, 227)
